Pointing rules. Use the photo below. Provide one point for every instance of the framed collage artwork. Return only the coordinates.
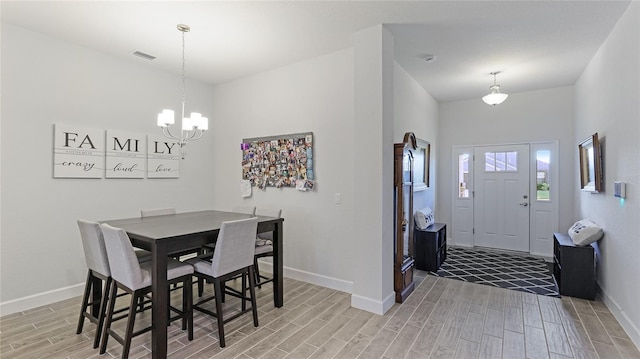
(279, 161)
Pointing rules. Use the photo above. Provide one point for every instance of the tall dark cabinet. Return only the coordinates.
(403, 262)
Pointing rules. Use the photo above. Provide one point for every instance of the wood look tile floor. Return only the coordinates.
(443, 318)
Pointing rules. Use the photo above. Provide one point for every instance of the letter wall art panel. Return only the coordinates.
(78, 152)
(163, 158)
(126, 154)
(83, 152)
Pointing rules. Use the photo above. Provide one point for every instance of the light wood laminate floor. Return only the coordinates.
(443, 318)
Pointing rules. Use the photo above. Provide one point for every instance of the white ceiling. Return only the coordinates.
(536, 44)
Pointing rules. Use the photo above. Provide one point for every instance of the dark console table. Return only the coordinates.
(430, 247)
(574, 268)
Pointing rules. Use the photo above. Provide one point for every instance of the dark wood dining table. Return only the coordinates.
(172, 233)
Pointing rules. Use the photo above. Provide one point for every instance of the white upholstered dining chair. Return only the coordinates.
(134, 278)
(244, 209)
(233, 256)
(98, 274)
(157, 212)
(209, 247)
(264, 244)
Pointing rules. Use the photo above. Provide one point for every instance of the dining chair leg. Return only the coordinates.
(257, 271)
(183, 316)
(200, 286)
(96, 295)
(103, 308)
(169, 305)
(130, 322)
(85, 302)
(244, 292)
(109, 319)
(252, 292)
(187, 306)
(218, 289)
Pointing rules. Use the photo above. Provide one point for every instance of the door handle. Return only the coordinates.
(524, 204)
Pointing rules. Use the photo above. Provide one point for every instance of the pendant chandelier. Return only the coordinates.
(495, 97)
(192, 127)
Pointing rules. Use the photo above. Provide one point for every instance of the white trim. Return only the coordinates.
(540, 236)
(359, 302)
(372, 305)
(456, 151)
(40, 299)
(463, 245)
(452, 244)
(313, 278)
(52, 296)
(551, 145)
(544, 256)
(621, 316)
(420, 187)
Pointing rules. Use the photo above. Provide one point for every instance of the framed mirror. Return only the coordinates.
(421, 165)
(590, 164)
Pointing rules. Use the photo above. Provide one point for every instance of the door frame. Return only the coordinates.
(543, 214)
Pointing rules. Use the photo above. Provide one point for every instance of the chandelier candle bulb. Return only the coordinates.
(166, 118)
(187, 124)
(199, 122)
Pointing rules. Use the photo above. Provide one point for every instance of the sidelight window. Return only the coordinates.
(463, 175)
(542, 174)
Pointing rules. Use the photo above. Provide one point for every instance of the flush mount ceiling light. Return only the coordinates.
(192, 127)
(495, 97)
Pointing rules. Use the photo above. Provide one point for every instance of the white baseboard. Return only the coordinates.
(368, 304)
(364, 303)
(460, 245)
(388, 302)
(313, 278)
(371, 305)
(621, 316)
(546, 257)
(40, 299)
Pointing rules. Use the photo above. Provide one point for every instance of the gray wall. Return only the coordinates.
(44, 82)
(544, 115)
(310, 96)
(607, 102)
(50, 81)
(416, 111)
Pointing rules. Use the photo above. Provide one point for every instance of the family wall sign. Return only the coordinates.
(82, 152)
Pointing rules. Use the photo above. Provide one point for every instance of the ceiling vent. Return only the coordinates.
(143, 55)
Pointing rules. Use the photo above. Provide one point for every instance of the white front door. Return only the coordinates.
(501, 208)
